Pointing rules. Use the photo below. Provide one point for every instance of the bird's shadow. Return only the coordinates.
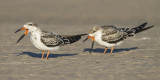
(39, 55)
(101, 50)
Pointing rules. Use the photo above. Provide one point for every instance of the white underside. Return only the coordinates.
(35, 40)
(98, 39)
(105, 44)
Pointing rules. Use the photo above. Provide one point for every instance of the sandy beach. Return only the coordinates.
(138, 58)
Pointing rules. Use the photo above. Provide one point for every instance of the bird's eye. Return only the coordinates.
(94, 31)
(30, 24)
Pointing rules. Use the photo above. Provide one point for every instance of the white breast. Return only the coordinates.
(98, 39)
(35, 40)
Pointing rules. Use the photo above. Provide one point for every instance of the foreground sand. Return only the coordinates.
(136, 59)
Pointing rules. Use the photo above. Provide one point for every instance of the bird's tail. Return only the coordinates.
(72, 38)
(135, 30)
(145, 28)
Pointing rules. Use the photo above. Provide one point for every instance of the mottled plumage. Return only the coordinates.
(51, 40)
(44, 40)
(110, 36)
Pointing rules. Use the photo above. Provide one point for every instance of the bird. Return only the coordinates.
(44, 40)
(110, 35)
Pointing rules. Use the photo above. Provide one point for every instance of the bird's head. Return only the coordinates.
(28, 27)
(94, 31)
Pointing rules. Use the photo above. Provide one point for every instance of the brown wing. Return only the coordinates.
(72, 38)
(111, 34)
(51, 40)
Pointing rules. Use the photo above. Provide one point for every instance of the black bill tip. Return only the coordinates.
(17, 30)
(20, 38)
(85, 39)
(92, 47)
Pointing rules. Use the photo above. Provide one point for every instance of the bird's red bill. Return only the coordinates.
(25, 33)
(93, 39)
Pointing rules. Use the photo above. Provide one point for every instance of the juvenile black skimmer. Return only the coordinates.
(46, 41)
(110, 36)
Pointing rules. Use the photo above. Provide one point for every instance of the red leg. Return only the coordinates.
(111, 50)
(42, 54)
(105, 50)
(47, 55)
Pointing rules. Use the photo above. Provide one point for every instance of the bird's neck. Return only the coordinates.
(36, 32)
(98, 35)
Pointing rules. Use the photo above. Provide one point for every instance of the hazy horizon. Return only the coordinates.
(80, 12)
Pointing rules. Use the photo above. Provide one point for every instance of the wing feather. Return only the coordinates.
(51, 39)
(111, 34)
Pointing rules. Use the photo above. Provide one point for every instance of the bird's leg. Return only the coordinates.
(105, 50)
(47, 55)
(111, 50)
(42, 54)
